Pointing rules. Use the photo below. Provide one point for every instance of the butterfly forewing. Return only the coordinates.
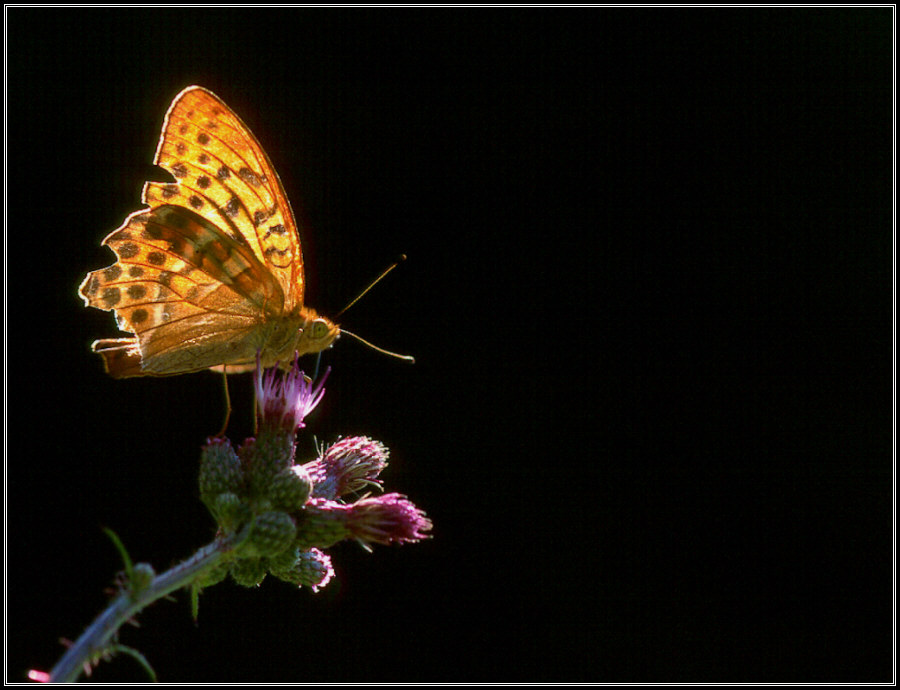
(223, 174)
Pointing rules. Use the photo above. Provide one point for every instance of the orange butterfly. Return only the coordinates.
(211, 272)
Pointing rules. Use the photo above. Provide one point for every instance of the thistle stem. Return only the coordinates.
(97, 636)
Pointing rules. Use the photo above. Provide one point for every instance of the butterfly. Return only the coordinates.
(210, 273)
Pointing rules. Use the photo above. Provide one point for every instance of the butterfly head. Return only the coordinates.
(317, 333)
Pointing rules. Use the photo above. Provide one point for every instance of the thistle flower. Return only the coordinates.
(388, 519)
(284, 401)
(290, 512)
(348, 466)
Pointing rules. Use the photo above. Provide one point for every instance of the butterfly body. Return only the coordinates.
(211, 272)
(278, 341)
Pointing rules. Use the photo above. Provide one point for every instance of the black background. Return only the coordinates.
(649, 293)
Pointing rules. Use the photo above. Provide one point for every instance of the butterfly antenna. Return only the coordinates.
(356, 299)
(371, 285)
(408, 358)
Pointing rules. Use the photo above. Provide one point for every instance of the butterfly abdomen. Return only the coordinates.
(121, 357)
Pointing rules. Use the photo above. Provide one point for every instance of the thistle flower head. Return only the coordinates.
(388, 519)
(350, 465)
(284, 401)
(288, 513)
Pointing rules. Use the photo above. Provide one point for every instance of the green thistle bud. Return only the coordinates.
(230, 511)
(220, 471)
(271, 534)
(290, 488)
(248, 572)
(322, 524)
(310, 569)
(141, 576)
(269, 454)
(214, 575)
(281, 565)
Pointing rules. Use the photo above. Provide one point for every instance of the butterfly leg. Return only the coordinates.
(318, 362)
(221, 433)
(255, 412)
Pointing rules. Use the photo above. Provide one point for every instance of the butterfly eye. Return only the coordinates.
(319, 329)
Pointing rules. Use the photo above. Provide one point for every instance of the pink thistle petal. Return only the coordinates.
(301, 395)
(388, 519)
(348, 466)
(284, 401)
